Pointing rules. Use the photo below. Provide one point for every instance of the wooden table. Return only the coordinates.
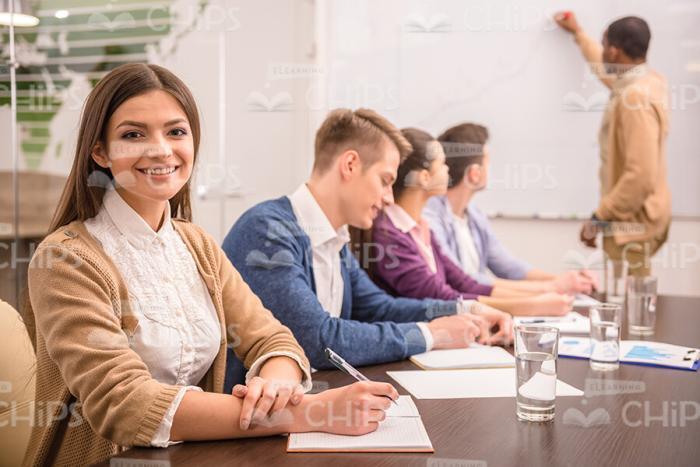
(479, 432)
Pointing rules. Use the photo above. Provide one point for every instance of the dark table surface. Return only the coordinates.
(636, 416)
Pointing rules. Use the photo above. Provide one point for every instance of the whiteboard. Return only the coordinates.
(505, 64)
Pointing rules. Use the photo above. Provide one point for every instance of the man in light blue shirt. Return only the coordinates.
(464, 232)
(490, 254)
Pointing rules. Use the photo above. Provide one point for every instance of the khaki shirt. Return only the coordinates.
(633, 176)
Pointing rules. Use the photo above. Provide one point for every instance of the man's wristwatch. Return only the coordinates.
(599, 223)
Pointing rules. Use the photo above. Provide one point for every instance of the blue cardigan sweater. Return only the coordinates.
(272, 253)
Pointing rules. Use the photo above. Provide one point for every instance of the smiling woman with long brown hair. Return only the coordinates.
(131, 305)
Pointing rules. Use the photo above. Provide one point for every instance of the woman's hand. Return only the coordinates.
(573, 282)
(551, 304)
(267, 394)
(263, 398)
(349, 410)
(355, 409)
(492, 317)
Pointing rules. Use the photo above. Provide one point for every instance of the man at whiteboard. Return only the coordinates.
(634, 212)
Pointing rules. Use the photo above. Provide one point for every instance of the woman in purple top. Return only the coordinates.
(413, 269)
(412, 263)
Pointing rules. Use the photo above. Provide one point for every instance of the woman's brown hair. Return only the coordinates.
(82, 196)
(417, 159)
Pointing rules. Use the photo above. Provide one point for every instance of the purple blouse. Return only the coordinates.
(401, 270)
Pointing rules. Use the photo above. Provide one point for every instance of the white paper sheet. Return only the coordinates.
(461, 384)
(582, 300)
(571, 323)
(402, 430)
(475, 356)
(539, 387)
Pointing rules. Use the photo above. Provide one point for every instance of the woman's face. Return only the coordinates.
(439, 172)
(149, 147)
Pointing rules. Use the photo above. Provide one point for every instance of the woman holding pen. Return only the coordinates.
(132, 306)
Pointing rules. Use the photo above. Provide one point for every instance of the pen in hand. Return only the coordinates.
(345, 367)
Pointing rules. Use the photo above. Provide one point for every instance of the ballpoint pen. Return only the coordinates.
(547, 320)
(344, 366)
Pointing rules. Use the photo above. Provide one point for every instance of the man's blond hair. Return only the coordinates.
(363, 130)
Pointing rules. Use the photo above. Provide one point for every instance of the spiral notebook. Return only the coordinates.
(401, 431)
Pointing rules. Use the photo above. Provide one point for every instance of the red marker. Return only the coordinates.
(567, 15)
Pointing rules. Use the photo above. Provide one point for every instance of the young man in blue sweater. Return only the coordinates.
(293, 253)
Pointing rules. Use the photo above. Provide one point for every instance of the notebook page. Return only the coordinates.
(404, 407)
(394, 433)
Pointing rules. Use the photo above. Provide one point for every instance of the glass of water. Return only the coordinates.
(615, 279)
(536, 371)
(605, 336)
(641, 305)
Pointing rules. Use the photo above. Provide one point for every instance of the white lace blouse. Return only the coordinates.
(178, 334)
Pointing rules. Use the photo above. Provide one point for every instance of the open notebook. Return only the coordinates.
(475, 356)
(402, 431)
